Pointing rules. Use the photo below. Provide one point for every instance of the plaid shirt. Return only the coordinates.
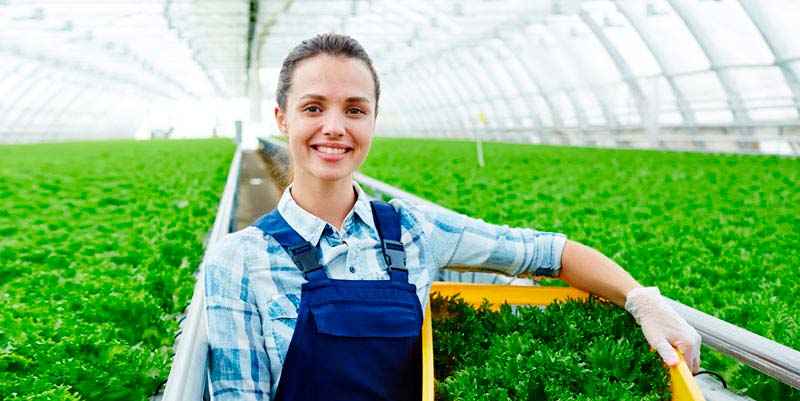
(252, 287)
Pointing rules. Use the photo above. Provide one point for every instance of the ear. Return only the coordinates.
(280, 118)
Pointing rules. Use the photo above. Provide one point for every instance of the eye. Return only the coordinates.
(355, 110)
(312, 109)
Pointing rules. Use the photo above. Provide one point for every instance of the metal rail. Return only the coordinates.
(762, 354)
(187, 378)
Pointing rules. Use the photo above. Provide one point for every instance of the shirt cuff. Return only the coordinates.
(548, 262)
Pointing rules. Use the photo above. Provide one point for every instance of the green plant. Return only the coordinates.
(575, 350)
(720, 233)
(98, 248)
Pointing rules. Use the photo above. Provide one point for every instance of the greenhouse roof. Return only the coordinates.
(76, 69)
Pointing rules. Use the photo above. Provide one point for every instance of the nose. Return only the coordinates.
(334, 125)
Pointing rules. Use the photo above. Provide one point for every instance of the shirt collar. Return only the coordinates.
(362, 207)
(311, 227)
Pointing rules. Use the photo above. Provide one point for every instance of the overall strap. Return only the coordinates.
(387, 221)
(304, 255)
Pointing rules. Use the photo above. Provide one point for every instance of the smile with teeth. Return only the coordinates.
(330, 151)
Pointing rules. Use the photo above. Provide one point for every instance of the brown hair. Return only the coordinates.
(332, 44)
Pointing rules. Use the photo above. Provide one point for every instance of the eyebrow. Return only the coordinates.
(352, 99)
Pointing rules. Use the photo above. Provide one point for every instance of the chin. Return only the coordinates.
(333, 176)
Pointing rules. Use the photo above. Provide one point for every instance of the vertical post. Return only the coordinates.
(238, 124)
(478, 143)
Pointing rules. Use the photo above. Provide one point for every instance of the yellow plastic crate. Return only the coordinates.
(684, 387)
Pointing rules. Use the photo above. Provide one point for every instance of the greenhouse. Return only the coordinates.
(193, 191)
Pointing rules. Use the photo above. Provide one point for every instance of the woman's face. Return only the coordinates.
(329, 117)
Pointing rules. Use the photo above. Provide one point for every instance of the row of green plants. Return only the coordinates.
(720, 233)
(98, 245)
(573, 350)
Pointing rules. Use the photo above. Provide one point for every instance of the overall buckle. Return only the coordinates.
(394, 254)
(305, 257)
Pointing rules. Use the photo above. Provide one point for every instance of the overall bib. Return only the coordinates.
(354, 339)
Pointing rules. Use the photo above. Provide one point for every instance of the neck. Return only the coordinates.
(331, 201)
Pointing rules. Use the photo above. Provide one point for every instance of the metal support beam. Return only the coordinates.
(535, 80)
(602, 99)
(468, 54)
(687, 114)
(448, 116)
(528, 101)
(775, 41)
(537, 59)
(472, 86)
(695, 25)
(424, 109)
(463, 96)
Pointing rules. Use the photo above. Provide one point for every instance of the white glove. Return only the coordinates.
(663, 327)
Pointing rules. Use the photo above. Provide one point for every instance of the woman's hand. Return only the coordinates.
(663, 327)
(585, 268)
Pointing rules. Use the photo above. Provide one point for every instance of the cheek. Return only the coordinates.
(364, 130)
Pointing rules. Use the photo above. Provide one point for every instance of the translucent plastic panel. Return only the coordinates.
(542, 110)
(521, 78)
(574, 47)
(566, 111)
(448, 96)
(707, 98)
(548, 81)
(591, 109)
(474, 96)
(481, 76)
(661, 100)
(623, 38)
(499, 71)
(763, 88)
(622, 104)
(731, 36)
(520, 112)
(783, 16)
(669, 35)
(13, 80)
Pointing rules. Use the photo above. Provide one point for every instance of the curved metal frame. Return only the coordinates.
(695, 27)
(771, 38)
(583, 123)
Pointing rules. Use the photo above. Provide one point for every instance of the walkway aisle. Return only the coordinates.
(258, 193)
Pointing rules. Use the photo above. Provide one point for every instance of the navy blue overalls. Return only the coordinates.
(354, 339)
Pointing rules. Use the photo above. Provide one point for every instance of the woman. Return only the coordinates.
(322, 298)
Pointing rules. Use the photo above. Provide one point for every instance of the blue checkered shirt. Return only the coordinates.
(252, 287)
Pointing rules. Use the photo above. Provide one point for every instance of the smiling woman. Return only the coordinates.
(322, 298)
(328, 118)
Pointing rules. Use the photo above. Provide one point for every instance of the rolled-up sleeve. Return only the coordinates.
(465, 243)
(238, 362)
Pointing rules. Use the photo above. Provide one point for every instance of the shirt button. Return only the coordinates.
(352, 269)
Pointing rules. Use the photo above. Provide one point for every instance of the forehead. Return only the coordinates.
(332, 77)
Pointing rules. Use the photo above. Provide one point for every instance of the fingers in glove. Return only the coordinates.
(667, 353)
(691, 352)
